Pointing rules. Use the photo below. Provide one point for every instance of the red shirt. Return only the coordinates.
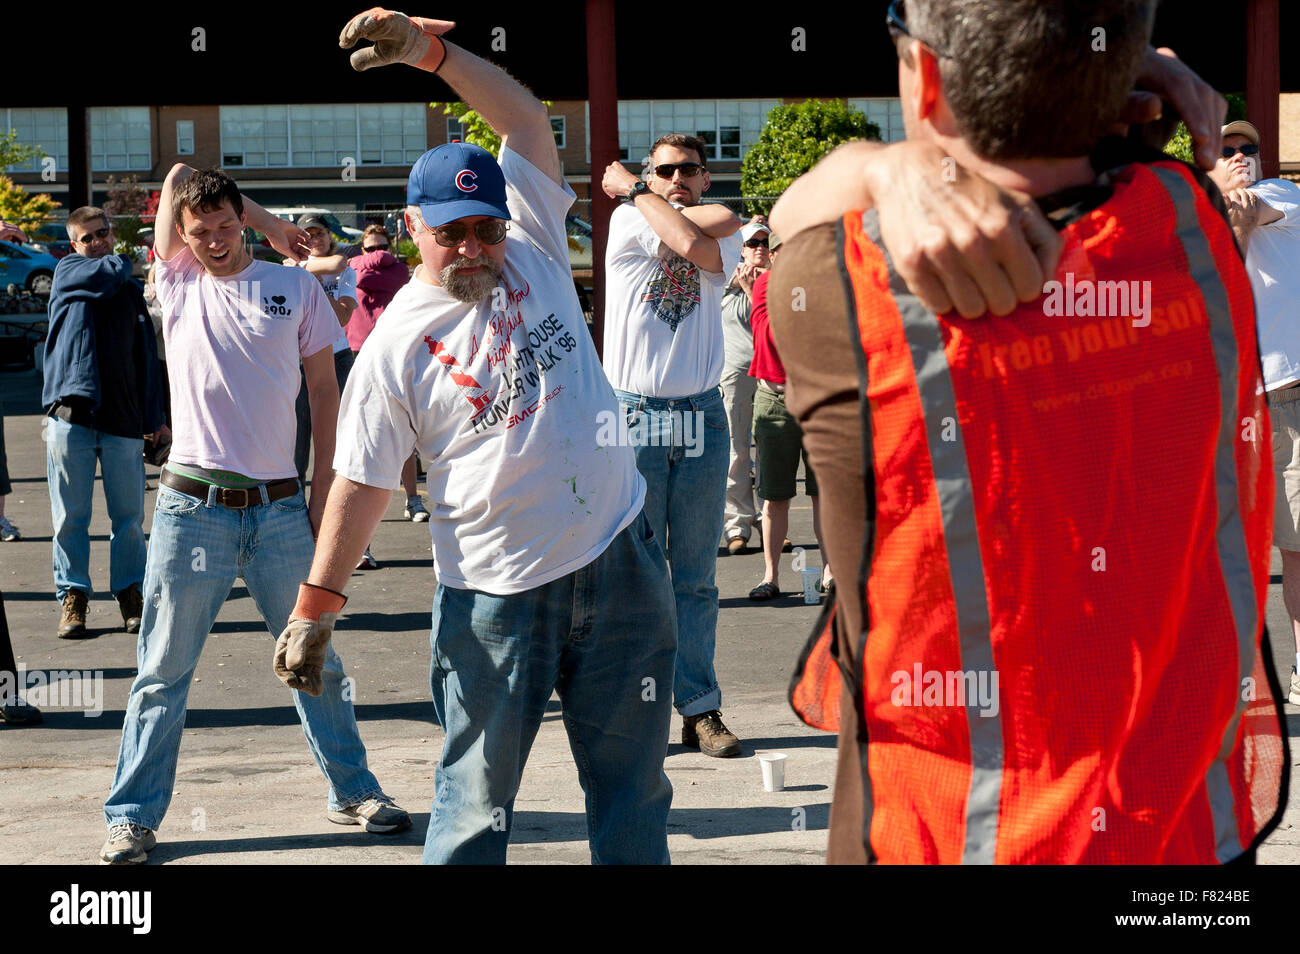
(767, 363)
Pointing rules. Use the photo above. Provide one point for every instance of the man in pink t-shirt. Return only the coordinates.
(229, 501)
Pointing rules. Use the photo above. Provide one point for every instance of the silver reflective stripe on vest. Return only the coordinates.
(965, 565)
(1230, 535)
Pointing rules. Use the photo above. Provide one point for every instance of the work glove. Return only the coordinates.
(397, 38)
(301, 649)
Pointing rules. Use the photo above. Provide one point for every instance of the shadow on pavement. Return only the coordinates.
(253, 717)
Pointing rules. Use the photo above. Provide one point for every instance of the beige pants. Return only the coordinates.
(1284, 409)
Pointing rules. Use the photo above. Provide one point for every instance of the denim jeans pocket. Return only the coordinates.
(715, 416)
(176, 504)
(295, 504)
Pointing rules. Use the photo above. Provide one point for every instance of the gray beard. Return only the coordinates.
(471, 288)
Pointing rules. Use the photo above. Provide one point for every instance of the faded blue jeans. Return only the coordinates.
(71, 453)
(683, 449)
(603, 638)
(196, 550)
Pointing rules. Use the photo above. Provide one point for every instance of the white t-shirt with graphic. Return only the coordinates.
(506, 403)
(233, 345)
(663, 313)
(337, 286)
(1273, 263)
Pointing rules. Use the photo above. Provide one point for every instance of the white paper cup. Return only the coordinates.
(773, 764)
(811, 575)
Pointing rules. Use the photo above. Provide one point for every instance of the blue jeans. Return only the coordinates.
(196, 550)
(603, 638)
(70, 455)
(683, 449)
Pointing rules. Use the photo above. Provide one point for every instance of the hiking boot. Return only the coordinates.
(415, 511)
(8, 532)
(131, 602)
(707, 733)
(377, 813)
(127, 844)
(72, 623)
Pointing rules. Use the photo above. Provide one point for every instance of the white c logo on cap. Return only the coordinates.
(462, 176)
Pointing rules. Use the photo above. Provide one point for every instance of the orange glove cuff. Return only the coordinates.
(437, 51)
(314, 600)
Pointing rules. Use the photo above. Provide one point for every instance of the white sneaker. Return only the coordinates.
(367, 562)
(127, 845)
(415, 511)
(9, 533)
(1293, 696)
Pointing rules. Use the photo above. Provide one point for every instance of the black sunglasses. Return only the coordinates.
(97, 234)
(896, 20)
(489, 232)
(374, 248)
(689, 169)
(1246, 149)
(756, 243)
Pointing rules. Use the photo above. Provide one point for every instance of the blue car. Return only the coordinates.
(32, 270)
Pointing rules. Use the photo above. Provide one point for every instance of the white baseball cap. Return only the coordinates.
(753, 228)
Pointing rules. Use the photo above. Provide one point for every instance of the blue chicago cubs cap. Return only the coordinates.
(454, 181)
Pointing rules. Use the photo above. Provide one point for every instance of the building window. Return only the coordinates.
(119, 138)
(887, 113)
(557, 127)
(46, 129)
(727, 127)
(322, 136)
(455, 131)
(185, 137)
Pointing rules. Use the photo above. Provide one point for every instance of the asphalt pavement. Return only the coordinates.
(247, 790)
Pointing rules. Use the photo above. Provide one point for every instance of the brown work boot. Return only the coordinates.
(131, 602)
(707, 733)
(72, 624)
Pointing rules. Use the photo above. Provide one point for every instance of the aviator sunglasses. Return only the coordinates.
(489, 232)
(91, 236)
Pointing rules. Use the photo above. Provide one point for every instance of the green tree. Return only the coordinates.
(793, 139)
(126, 206)
(24, 209)
(475, 127)
(1180, 144)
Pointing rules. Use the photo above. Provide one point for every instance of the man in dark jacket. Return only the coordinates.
(102, 395)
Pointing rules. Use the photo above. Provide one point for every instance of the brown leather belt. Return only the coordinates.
(236, 498)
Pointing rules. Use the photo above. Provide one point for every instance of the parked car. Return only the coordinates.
(31, 269)
(579, 233)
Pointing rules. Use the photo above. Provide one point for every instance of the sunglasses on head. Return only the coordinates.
(1246, 149)
(91, 236)
(896, 21)
(689, 170)
(489, 232)
(756, 243)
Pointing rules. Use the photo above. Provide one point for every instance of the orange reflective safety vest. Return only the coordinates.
(1069, 526)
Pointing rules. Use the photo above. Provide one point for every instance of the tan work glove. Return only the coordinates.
(397, 38)
(301, 649)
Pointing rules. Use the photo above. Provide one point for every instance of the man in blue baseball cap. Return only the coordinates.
(549, 577)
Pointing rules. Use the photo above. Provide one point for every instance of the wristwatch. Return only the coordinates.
(639, 189)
